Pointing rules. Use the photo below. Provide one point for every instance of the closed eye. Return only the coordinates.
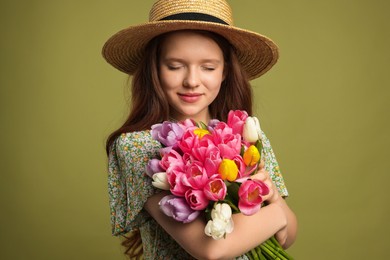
(170, 67)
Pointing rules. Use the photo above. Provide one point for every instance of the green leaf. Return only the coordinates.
(232, 192)
(203, 125)
(242, 151)
(259, 146)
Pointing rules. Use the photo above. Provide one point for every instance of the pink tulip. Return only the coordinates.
(212, 161)
(223, 134)
(172, 160)
(236, 120)
(220, 131)
(204, 152)
(175, 180)
(215, 189)
(233, 141)
(250, 196)
(242, 169)
(196, 199)
(187, 124)
(206, 141)
(227, 152)
(195, 176)
(189, 140)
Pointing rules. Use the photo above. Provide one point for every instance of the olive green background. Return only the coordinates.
(325, 107)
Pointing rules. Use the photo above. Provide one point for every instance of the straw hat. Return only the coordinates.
(256, 53)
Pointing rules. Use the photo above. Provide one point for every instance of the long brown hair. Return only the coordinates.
(150, 106)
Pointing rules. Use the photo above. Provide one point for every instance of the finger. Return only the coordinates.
(281, 236)
(260, 175)
(269, 195)
(261, 164)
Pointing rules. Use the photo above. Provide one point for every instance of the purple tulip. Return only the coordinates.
(153, 166)
(213, 123)
(167, 133)
(178, 209)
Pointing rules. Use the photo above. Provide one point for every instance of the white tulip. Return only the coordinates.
(221, 223)
(160, 181)
(221, 211)
(252, 131)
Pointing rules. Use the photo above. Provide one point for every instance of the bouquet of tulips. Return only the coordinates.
(207, 169)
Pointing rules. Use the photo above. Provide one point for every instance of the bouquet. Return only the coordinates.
(207, 169)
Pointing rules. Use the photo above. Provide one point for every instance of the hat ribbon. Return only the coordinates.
(194, 17)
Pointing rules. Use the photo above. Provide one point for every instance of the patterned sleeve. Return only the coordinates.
(128, 185)
(272, 166)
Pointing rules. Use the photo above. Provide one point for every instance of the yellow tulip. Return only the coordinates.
(228, 170)
(201, 132)
(251, 156)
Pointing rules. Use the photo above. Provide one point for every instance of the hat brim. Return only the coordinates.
(256, 53)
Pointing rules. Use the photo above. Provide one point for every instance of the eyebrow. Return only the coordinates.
(182, 60)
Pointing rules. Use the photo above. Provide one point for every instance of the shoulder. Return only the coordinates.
(135, 147)
(138, 140)
(272, 166)
(268, 153)
(265, 140)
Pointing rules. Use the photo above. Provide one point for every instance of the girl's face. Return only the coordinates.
(191, 70)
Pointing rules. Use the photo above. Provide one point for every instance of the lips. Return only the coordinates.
(190, 97)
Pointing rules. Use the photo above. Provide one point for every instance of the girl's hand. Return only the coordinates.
(263, 175)
(272, 197)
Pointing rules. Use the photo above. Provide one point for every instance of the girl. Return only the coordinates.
(189, 61)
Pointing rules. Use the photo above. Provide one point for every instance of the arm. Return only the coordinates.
(270, 174)
(286, 236)
(249, 231)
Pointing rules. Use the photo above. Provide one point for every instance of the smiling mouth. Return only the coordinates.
(190, 97)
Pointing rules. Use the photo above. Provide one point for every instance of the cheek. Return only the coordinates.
(215, 83)
(168, 80)
(216, 91)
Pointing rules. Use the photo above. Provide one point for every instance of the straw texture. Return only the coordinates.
(215, 8)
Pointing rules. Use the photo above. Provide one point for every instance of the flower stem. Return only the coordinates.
(260, 254)
(254, 254)
(273, 242)
(272, 252)
(268, 252)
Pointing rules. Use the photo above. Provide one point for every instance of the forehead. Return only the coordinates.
(189, 42)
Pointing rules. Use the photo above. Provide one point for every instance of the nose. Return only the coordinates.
(191, 79)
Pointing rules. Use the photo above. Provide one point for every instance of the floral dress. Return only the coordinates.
(129, 187)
